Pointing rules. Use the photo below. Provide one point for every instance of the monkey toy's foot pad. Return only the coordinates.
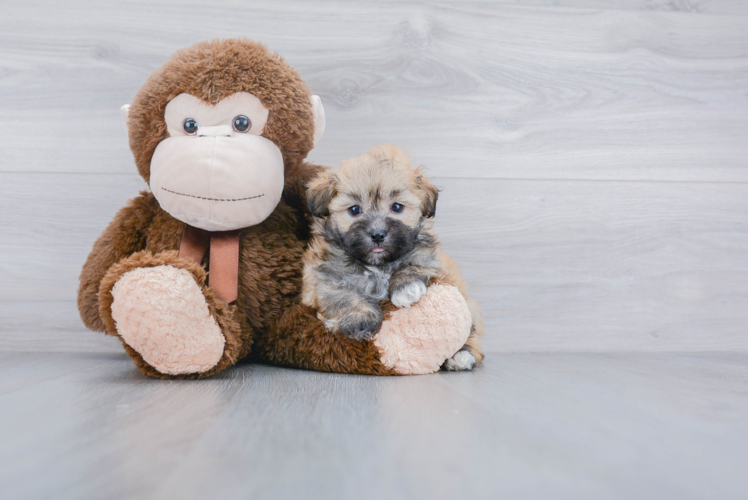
(418, 339)
(162, 314)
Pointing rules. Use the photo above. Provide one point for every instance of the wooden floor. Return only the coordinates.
(525, 426)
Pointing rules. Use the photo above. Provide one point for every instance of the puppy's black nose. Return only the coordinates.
(377, 236)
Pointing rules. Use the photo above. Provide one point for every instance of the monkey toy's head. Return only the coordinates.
(214, 129)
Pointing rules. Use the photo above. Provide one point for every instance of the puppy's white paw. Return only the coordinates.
(462, 360)
(409, 294)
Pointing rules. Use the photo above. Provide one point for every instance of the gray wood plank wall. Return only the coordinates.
(593, 155)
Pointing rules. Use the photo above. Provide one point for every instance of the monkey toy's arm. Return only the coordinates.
(300, 339)
(124, 236)
(415, 340)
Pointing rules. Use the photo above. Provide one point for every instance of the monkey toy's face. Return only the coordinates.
(214, 129)
(215, 171)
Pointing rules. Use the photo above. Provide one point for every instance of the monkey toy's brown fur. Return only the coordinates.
(266, 322)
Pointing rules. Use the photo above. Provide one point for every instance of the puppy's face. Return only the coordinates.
(373, 205)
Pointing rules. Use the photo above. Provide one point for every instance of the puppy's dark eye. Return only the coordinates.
(354, 210)
(397, 208)
(190, 126)
(242, 123)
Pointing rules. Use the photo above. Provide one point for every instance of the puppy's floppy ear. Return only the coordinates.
(429, 194)
(320, 191)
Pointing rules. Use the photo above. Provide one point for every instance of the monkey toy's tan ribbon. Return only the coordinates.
(223, 267)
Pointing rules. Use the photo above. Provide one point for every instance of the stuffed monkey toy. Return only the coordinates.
(205, 268)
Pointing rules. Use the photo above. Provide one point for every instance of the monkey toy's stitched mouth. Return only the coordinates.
(213, 199)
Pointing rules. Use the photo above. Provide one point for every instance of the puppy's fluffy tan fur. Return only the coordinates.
(372, 240)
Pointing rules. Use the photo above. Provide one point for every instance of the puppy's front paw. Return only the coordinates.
(360, 326)
(409, 294)
(462, 360)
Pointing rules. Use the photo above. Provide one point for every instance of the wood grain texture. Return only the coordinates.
(479, 90)
(592, 154)
(691, 6)
(581, 426)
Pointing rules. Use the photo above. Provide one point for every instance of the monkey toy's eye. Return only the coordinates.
(242, 123)
(190, 126)
(397, 208)
(354, 210)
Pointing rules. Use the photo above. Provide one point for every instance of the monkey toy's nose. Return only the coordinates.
(378, 235)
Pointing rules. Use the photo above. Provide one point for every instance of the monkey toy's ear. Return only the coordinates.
(125, 110)
(320, 192)
(429, 195)
(319, 118)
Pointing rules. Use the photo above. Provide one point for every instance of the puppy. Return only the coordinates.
(372, 240)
